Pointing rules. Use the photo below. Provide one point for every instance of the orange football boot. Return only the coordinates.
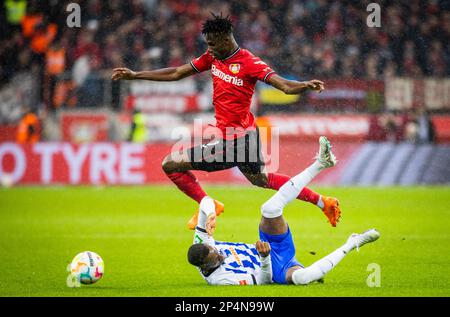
(192, 223)
(331, 209)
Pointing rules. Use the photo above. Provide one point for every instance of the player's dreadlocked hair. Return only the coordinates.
(197, 254)
(218, 24)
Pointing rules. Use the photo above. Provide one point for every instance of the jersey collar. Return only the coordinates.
(208, 273)
(232, 54)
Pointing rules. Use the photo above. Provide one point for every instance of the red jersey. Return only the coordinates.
(234, 80)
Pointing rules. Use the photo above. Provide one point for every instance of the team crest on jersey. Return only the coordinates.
(234, 68)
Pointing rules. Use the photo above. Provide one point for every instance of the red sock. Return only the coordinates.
(188, 184)
(275, 181)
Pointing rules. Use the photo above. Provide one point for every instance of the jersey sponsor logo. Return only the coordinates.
(234, 68)
(236, 256)
(225, 77)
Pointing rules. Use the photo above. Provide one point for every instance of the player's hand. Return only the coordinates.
(316, 85)
(123, 73)
(211, 224)
(263, 248)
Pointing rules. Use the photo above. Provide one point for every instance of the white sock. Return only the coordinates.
(318, 269)
(305, 177)
(331, 260)
(289, 191)
(294, 186)
(207, 207)
(320, 203)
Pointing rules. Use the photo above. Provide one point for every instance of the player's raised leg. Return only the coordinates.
(274, 229)
(316, 271)
(276, 180)
(290, 191)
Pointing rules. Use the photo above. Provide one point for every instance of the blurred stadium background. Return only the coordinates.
(386, 109)
(386, 105)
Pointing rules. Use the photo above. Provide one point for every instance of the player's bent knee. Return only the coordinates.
(307, 275)
(271, 209)
(168, 165)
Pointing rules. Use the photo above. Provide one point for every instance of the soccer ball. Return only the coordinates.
(87, 267)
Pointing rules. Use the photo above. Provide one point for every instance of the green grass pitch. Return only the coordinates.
(141, 234)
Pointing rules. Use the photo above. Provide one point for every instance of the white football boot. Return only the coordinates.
(325, 156)
(357, 240)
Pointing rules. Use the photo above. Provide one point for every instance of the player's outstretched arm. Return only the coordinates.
(293, 87)
(265, 276)
(163, 74)
(206, 222)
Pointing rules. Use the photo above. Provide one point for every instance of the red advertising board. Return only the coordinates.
(89, 163)
(8, 133)
(136, 164)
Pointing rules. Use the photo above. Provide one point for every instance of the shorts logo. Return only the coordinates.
(243, 282)
(234, 68)
(210, 144)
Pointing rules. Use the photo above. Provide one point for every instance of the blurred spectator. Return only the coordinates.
(92, 84)
(426, 131)
(55, 61)
(86, 46)
(138, 130)
(43, 35)
(414, 127)
(29, 22)
(29, 129)
(387, 127)
(390, 126)
(411, 131)
(420, 128)
(377, 132)
(15, 11)
(317, 37)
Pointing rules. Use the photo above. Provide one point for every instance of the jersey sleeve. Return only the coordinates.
(202, 63)
(259, 70)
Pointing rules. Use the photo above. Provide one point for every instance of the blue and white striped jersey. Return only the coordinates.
(242, 264)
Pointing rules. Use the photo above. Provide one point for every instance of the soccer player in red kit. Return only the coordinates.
(235, 72)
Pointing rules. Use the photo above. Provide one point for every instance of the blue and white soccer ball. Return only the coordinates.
(87, 267)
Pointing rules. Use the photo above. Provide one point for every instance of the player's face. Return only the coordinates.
(214, 258)
(218, 45)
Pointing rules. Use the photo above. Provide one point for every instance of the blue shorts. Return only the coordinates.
(282, 253)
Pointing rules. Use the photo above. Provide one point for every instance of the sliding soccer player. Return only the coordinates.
(272, 258)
